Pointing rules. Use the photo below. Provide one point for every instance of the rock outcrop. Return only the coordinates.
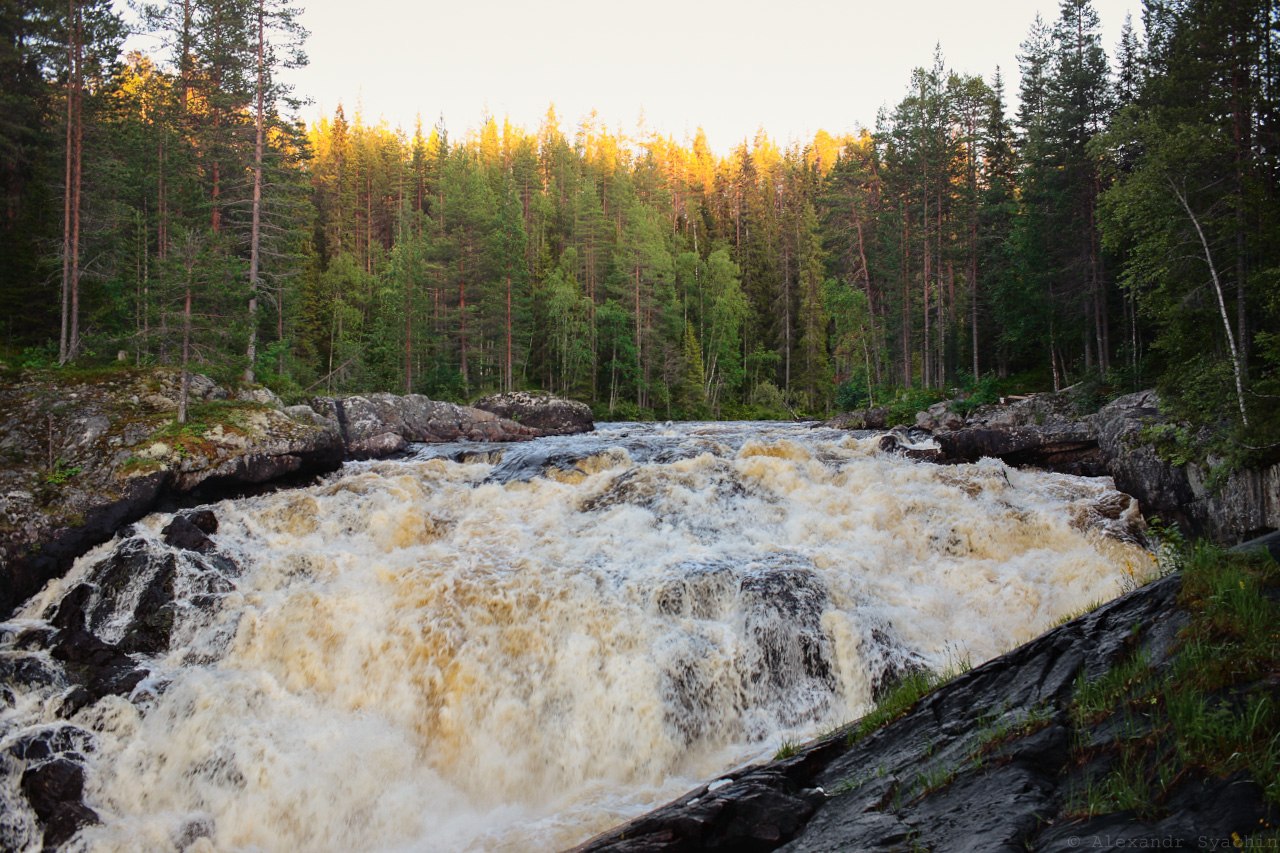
(86, 457)
(1043, 431)
(986, 762)
(1233, 509)
(545, 413)
(382, 424)
(1047, 431)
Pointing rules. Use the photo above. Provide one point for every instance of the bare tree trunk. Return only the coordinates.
(639, 357)
(786, 321)
(68, 341)
(73, 345)
(462, 320)
(255, 227)
(1222, 304)
(66, 198)
(190, 253)
(906, 300)
(408, 334)
(510, 382)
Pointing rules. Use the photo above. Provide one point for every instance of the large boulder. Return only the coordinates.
(873, 418)
(547, 414)
(1047, 431)
(1227, 509)
(1043, 431)
(373, 425)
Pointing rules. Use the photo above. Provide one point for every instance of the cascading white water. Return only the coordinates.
(515, 648)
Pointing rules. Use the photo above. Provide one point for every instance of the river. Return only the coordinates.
(514, 647)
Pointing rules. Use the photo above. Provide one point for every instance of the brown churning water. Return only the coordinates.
(514, 648)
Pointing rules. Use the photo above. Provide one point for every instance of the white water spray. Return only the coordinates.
(519, 649)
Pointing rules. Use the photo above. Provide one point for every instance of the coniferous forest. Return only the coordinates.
(1119, 228)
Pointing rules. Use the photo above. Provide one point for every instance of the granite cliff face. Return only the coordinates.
(88, 455)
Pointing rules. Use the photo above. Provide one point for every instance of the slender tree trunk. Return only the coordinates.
(63, 338)
(639, 356)
(190, 256)
(1053, 360)
(462, 321)
(1236, 364)
(408, 333)
(69, 335)
(73, 344)
(786, 321)
(926, 377)
(906, 300)
(162, 205)
(255, 227)
(510, 383)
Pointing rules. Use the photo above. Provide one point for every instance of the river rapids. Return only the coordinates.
(515, 647)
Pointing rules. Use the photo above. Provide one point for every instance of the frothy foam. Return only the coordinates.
(443, 655)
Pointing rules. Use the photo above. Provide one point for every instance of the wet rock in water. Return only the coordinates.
(869, 419)
(203, 519)
(55, 790)
(782, 654)
(889, 661)
(192, 832)
(50, 742)
(29, 670)
(784, 608)
(133, 586)
(547, 414)
(184, 532)
(904, 444)
(100, 668)
(96, 667)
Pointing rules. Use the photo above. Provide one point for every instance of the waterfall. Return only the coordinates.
(483, 647)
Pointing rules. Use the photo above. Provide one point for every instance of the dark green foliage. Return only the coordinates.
(1211, 711)
(656, 280)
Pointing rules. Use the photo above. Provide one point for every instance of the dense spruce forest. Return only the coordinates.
(1121, 227)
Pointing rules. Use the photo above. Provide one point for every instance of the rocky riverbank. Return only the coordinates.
(1047, 431)
(1096, 735)
(86, 455)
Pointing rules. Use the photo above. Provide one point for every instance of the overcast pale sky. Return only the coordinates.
(730, 66)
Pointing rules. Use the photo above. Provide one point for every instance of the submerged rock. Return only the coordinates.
(55, 790)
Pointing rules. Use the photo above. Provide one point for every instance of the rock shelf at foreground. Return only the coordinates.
(995, 760)
(89, 455)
